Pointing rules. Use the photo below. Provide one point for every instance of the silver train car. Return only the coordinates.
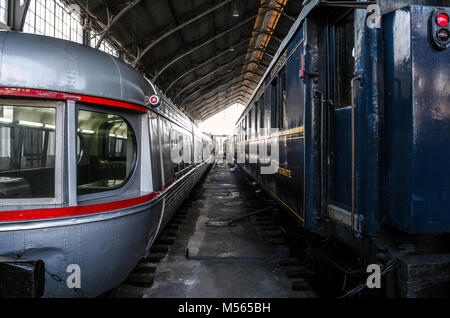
(90, 173)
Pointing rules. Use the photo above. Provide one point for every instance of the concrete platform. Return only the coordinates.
(240, 269)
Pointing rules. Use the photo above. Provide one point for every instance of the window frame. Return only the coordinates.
(261, 111)
(4, 24)
(59, 151)
(340, 82)
(133, 120)
(274, 103)
(256, 108)
(282, 103)
(187, 146)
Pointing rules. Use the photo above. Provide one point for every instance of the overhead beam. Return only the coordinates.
(203, 98)
(228, 101)
(211, 111)
(100, 25)
(228, 50)
(17, 11)
(224, 105)
(223, 77)
(177, 28)
(231, 49)
(116, 18)
(209, 74)
(236, 59)
(221, 88)
(218, 97)
(203, 43)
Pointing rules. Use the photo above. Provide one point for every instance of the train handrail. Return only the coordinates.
(353, 105)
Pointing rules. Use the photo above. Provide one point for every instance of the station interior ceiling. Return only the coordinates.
(205, 55)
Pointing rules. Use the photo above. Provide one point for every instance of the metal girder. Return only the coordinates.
(214, 58)
(223, 105)
(236, 59)
(111, 23)
(203, 43)
(243, 65)
(216, 70)
(288, 16)
(347, 4)
(228, 101)
(204, 97)
(208, 112)
(271, 35)
(100, 24)
(17, 11)
(253, 50)
(218, 97)
(231, 49)
(176, 28)
(222, 77)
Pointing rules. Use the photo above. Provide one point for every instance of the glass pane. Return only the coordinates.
(106, 149)
(27, 152)
(345, 42)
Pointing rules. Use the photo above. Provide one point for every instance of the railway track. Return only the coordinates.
(261, 219)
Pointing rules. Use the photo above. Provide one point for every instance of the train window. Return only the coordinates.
(256, 119)
(198, 151)
(273, 104)
(186, 153)
(181, 145)
(245, 128)
(176, 145)
(261, 112)
(250, 117)
(27, 152)
(107, 152)
(282, 104)
(345, 61)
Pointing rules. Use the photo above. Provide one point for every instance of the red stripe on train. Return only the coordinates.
(37, 93)
(75, 210)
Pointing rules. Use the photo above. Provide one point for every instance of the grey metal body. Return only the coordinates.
(106, 245)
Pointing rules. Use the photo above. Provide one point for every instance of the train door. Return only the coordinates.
(342, 67)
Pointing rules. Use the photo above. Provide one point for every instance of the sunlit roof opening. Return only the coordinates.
(222, 123)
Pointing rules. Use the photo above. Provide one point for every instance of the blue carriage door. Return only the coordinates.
(342, 68)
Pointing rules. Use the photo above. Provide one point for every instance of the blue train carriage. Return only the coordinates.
(87, 178)
(359, 92)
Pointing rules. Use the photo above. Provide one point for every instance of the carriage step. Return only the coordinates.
(140, 280)
(159, 249)
(128, 291)
(144, 268)
(299, 272)
(154, 258)
(165, 241)
(300, 285)
(290, 262)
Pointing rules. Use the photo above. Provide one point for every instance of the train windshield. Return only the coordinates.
(106, 151)
(27, 152)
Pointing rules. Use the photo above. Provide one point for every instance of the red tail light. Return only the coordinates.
(442, 19)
